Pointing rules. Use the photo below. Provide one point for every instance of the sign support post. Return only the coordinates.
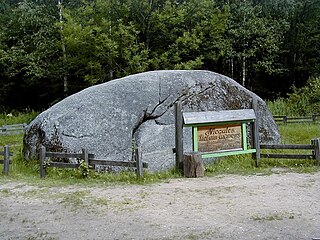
(255, 132)
(178, 135)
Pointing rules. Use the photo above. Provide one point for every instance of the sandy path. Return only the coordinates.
(279, 206)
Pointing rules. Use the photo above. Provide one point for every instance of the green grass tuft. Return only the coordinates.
(8, 119)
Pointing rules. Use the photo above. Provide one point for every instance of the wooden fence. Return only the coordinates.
(6, 159)
(314, 148)
(315, 118)
(12, 129)
(89, 159)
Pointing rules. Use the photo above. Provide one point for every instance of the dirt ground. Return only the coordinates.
(278, 206)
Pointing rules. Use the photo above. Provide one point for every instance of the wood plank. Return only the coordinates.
(255, 132)
(227, 153)
(191, 118)
(6, 161)
(115, 163)
(63, 165)
(179, 135)
(299, 118)
(64, 155)
(286, 146)
(2, 161)
(11, 133)
(10, 154)
(42, 161)
(287, 156)
(12, 128)
(85, 156)
(138, 155)
(316, 142)
(15, 125)
(304, 121)
(217, 138)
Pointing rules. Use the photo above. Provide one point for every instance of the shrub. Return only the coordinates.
(301, 102)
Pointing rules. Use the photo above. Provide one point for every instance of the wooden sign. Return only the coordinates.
(218, 133)
(219, 138)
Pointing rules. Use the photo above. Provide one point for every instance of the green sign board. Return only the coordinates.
(220, 133)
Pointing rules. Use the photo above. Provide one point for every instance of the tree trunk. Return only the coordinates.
(232, 68)
(65, 79)
(244, 71)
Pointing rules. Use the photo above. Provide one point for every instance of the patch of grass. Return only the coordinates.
(43, 192)
(244, 165)
(290, 134)
(5, 192)
(101, 201)
(74, 176)
(210, 234)
(238, 164)
(273, 217)
(15, 118)
(279, 107)
(299, 133)
(76, 199)
(83, 199)
(294, 134)
(22, 169)
(270, 217)
(13, 141)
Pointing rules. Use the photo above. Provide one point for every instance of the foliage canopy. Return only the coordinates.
(267, 46)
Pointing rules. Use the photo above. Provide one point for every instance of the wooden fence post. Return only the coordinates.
(193, 165)
(139, 166)
(316, 143)
(255, 132)
(6, 161)
(179, 135)
(85, 156)
(42, 161)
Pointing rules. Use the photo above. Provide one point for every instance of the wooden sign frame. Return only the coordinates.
(217, 119)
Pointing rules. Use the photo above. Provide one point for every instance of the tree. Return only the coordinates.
(185, 34)
(100, 47)
(29, 55)
(255, 41)
(303, 42)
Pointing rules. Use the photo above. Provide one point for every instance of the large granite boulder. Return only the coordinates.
(109, 118)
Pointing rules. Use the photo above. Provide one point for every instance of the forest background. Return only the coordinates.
(50, 49)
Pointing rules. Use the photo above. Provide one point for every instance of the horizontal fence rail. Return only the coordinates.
(12, 129)
(6, 159)
(314, 147)
(89, 159)
(116, 163)
(315, 118)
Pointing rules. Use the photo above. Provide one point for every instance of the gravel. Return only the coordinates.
(277, 206)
